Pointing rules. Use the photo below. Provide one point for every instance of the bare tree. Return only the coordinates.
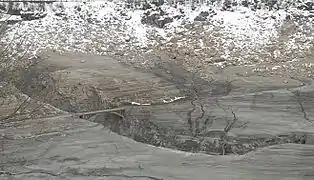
(204, 114)
(195, 100)
(297, 95)
(230, 124)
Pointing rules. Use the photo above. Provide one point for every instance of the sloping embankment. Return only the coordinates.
(77, 149)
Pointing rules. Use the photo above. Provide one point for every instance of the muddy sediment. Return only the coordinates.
(167, 125)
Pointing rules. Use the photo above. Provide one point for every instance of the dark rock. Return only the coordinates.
(119, 53)
(161, 12)
(165, 21)
(181, 11)
(3, 7)
(218, 60)
(123, 13)
(259, 7)
(14, 11)
(271, 4)
(234, 3)
(200, 18)
(60, 14)
(288, 17)
(146, 6)
(158, 2)
(245, 3)
(188, 26)
(204, 13)
(308, 6)
(28, 16)
(90, 20)
(177, 17)
(227, 5)
(78, 8)
(203, 16)
(128, 6)
(156, 20)
(128, 18)
(11, 22)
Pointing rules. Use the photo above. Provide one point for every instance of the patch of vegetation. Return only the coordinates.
(145, 131)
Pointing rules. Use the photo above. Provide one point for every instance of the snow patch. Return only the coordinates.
(136, 27)
(105, 27)
(173, 100)
(140, 104)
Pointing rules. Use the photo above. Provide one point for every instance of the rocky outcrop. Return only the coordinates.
(156, 17)
(27, 11)
(28, 16)
(205, 15)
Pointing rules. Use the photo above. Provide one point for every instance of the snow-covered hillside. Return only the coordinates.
(221, 32)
